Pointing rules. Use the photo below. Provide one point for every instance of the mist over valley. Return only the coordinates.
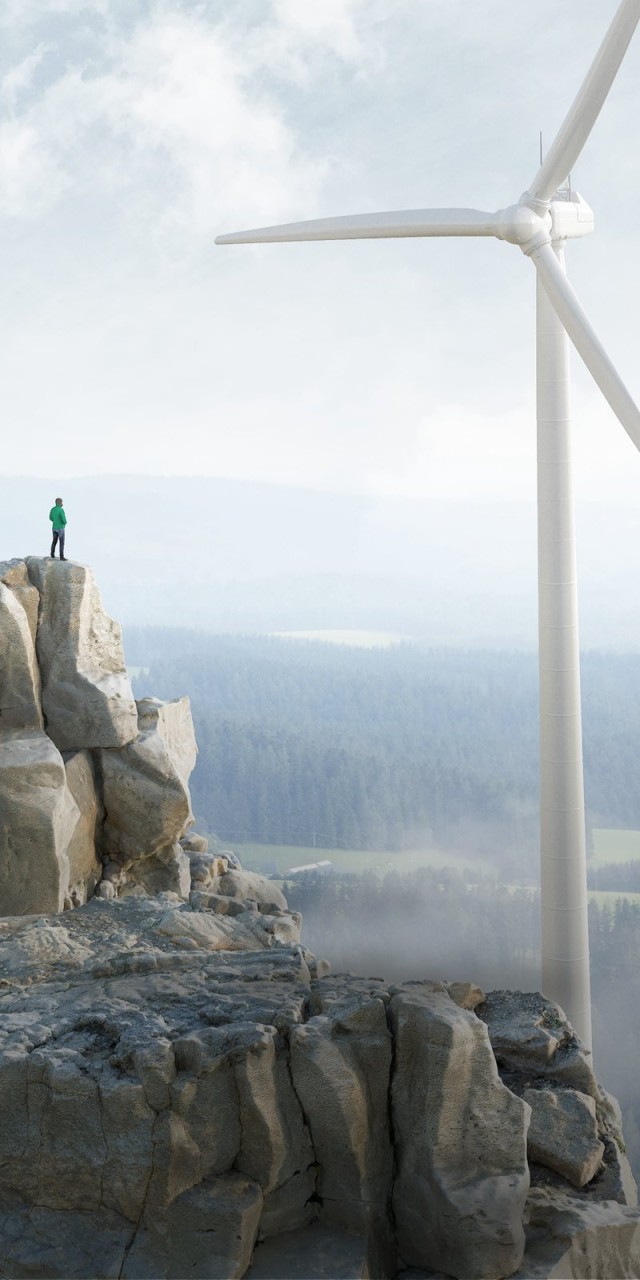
(237, 556)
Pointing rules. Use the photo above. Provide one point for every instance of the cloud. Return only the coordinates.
(18, 79)
(182, 103)
(30, 179)
(298, 33)
(189, 115)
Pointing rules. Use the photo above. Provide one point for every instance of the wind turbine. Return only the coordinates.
(540, 223)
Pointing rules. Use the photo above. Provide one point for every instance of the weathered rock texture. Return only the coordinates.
(182, 1094)
(461, 1140)
(86, 694)
(38, 818)
(145, 784)
(118, 795)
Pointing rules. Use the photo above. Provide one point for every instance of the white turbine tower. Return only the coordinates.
(540, 223)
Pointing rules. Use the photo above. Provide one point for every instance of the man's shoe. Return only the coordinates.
(63, 557)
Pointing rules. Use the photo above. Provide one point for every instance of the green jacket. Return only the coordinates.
(57, 518)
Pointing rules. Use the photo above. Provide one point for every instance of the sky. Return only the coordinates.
(132, 134)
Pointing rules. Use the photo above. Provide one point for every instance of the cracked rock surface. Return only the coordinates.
(182, 1094)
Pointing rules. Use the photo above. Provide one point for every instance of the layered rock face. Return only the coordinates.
(185, 1091)
(88, 779)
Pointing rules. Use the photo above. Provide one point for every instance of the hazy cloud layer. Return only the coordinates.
(131, 135)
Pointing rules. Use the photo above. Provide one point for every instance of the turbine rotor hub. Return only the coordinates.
(520, 225)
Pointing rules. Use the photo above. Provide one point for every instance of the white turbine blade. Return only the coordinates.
(373, 226)
(569, 311)
(580, 121)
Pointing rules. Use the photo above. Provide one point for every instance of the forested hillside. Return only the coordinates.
(303, 743)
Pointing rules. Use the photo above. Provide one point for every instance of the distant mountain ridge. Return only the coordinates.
(231, 555)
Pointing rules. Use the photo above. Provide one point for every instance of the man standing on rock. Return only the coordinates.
(58, 520)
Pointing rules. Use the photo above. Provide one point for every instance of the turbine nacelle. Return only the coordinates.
(566, 217)
(571, 216)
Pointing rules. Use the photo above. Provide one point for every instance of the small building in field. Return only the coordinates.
(310, 869)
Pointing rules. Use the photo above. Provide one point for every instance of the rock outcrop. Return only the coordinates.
(186, 1091)
(86, 694)
(94, 788)
(463, 1177)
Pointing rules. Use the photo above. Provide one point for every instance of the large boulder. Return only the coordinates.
(145, 784)
(461, 1142)
(563, 1134)
(209, 1234)
(86, 692)
(531, 1037)
(85, 865)
(19, 675)
(14, 574)
(570, 1237)
(38, 818)
(114, 827)
(341, 1066)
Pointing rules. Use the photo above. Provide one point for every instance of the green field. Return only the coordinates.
(280, 858)
(614, 846)
(611, 846)
(354, 639)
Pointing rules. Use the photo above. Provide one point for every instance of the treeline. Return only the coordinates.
(621, 877)
(302, 742)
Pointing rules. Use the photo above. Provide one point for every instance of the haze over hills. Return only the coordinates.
(230, 555)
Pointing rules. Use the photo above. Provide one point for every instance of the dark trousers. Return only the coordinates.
(58, 536)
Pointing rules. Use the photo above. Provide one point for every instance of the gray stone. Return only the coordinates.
(86, 693)
(194, 843)
(232, 858)
(19, 675)
(318, 1252)
(209, 1235)
(563, 1133)
(462, 1175)
(166, 871)
(531, 1035)
(145, 785)
(615, 1180)
(38, 817)
(36, 1241)
(217, 903)
(466, 994)
(340, 1065)
(569, 1237)
(85, 866)
(248, 884)
(14, 574)
(275, 1147)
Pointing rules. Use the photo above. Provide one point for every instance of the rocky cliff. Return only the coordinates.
(93, 786)
(186, 1091)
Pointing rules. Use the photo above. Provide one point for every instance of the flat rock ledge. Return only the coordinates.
(186, 1091)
